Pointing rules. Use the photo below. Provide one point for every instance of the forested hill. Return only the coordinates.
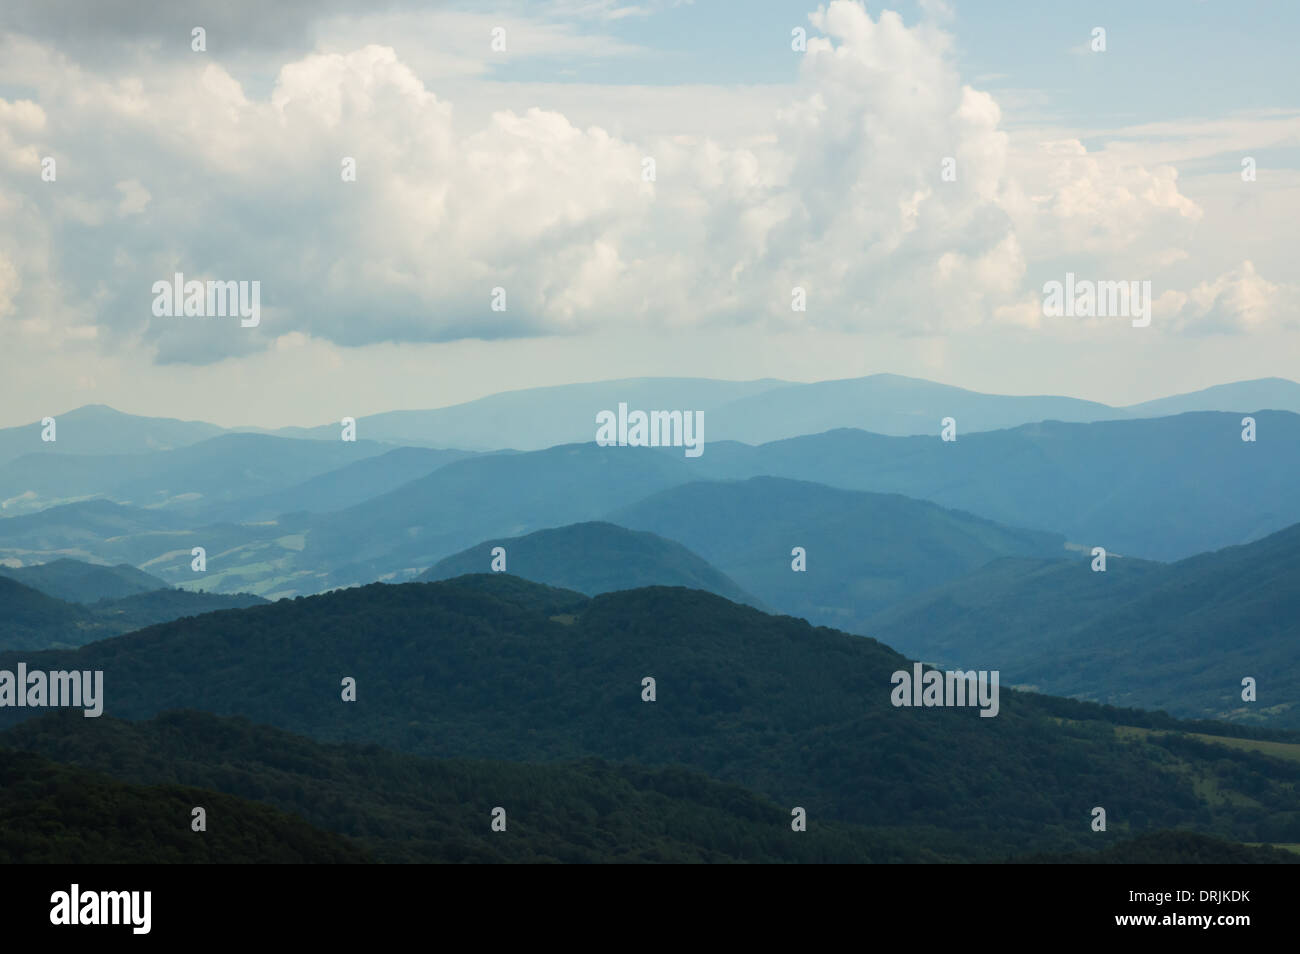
(405, 808)
(501, 669)
(57, 814)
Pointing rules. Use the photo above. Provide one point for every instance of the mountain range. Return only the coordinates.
(1162, 489)
(753, 412)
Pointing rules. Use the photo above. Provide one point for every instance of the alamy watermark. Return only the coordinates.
(653, 429)
(922, 687)
(194, 299)
(55, 689)
(1088, 299)
(76, 907)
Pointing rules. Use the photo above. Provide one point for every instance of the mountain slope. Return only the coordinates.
(99, 429)
(56, 814)
(31, 620)
(482, 497)
(80, 527)
(241, 557)
(1172, 848)
(887, 404)
(751, 411)
(537, 418)
(163, 606)
(594, 558)
(1164, 488)
(894, 405)
(1274, 394)
(757, 412)
(864, 551)
(1179, 637)
(344, 487)
(402, 808)
(79, 582)
(209, 473)
(484, 668)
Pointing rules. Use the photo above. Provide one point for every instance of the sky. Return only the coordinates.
(640, 189)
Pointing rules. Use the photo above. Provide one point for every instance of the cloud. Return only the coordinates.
(436, 40)
(114, 27)
(135, 197)
(184, 167)
(1236, 302)
(9, 284)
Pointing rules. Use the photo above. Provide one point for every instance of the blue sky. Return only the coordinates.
(1168, 59)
